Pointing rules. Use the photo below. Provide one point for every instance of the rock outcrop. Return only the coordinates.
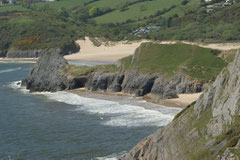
(47, 74)
(206, 130)
(158, 87)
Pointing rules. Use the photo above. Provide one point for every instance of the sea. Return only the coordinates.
(69, 126)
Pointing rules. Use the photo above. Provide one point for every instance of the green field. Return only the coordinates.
(134, 12)
(109, 3)
(63, 3)
(170, 59)
(10, 8)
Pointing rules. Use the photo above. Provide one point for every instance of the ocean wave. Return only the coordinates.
(10, 70)
(17, 86)
(113, 156)
(110, 113)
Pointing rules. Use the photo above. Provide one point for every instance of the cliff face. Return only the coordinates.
(132, 82)
(47, 74)
(208, 129)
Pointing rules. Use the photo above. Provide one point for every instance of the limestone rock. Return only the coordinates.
(47, 74)
(206, 130)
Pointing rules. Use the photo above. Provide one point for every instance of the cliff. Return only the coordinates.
(206, 130)
(155, 70)
(132, 82)
(47, 74)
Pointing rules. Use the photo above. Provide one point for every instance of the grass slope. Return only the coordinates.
(169, 59)
(63, 4)
(35, 31)
(134, 12)
(10, 8)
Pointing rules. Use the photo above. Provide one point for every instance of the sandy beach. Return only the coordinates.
(183, 101)
(118, 50)
(104, 53)
(110, 52)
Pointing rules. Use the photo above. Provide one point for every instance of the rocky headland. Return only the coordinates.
(48, 75)
(53, 73)
(208, 129)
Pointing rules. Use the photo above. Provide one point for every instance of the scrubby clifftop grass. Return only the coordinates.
(165, 59)
(77, 71)
(170, 59)
(206, 130)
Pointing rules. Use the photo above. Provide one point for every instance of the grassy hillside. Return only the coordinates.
(36, 31)
(169, 59)
(136, 11)
(55, 24)
(10, 8)
(63, 3)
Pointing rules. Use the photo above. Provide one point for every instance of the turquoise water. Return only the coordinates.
(63, 125)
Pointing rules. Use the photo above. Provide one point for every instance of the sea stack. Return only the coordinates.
(47, 73)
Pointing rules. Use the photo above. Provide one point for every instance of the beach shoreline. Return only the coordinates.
(183, 101)
(110, 52)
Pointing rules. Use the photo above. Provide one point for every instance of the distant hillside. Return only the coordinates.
(57, 24)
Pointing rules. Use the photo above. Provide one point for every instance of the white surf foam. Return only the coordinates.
(113, 113)
(109, 112)
(17, 86)
(10, 70)
(113, 156)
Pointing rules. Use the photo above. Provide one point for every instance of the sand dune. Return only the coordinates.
(111, 53)
(118, 50)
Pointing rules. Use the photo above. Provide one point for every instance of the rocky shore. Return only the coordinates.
(208, 129)
(47, 75)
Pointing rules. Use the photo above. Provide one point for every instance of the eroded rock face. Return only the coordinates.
(47, 74)
(132, 82)
(209, 129)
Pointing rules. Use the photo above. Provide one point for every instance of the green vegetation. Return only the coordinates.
(30, 25)
(10, 8)
(184, 111)
(135, 12)
(37, 30)
(170, 59)
(63, 4)
(78, 71)
(166, 59)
